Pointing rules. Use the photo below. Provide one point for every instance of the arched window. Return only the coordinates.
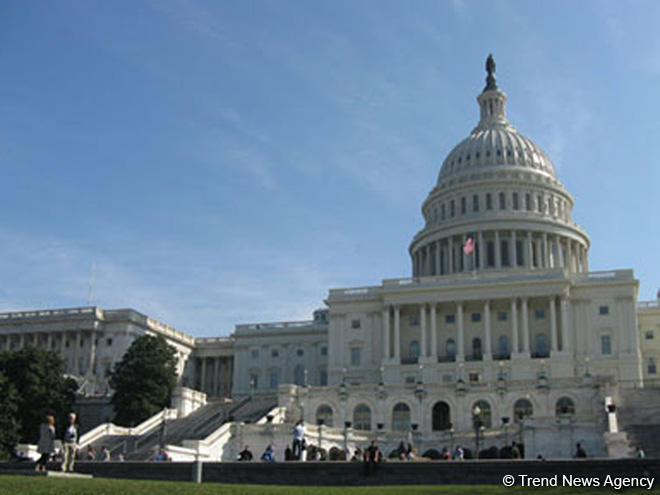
(299, 375)
(522, 409)
(542, 345)
(450, 349)
(324, 415)
(414, 349)
(484, 413)
(476, 349)
(650, 367)
(503, 347)
(362, 418)
(565, 407)
(441, 418)
(401, 417)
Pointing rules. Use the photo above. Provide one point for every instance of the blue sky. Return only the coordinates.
(225, 162)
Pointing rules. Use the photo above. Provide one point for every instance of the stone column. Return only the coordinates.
(202, 381)
(21, 340)
(450, 252)
(76, 354)
(498, 250)
(462, 254)
(586, 260)
(386, 333)
(525, 326)
(547, 258)
(565, 339)
(427, 260)
(397, 334)
(560, 251)
(487, 346)
(460, 353)
(49, 341)
(482, 258)
(214, 386)
(92, 353)
(553, 325)
(569, 255)
(422, 329)
(528, 252)
(434, 335)
(438, 269)
(540, 259)
(514, 249)
(514, 327)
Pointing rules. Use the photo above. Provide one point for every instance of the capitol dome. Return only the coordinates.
(499, 190)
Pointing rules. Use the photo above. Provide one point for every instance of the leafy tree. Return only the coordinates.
(143, 380)
(9, 424)
(37, 376)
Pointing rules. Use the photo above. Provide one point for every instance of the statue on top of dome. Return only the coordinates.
(490, 68)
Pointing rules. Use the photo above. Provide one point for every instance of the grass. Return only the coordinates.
(15, 485)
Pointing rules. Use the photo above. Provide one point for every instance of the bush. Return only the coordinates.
(489, 453)
(432, 454)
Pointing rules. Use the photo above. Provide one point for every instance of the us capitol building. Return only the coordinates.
(500, 333)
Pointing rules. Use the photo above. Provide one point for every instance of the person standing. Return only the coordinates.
(298, 437)
(46, 446)
(70, 444)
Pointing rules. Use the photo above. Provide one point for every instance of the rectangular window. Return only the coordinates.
(501, 316)
(254, 353)
(108, 342)
(604, 310)
(410, 379)
(452, 208)
(539, 203)
(475, 203)
(474, 377)
(463, 205)
(356, 356)
(502, 201)
(489, 201)
(605, 345)
(515, 201)
(540, 314)
(652, 370)
(519, 253)
(648, 335)
(490, 254)
(355, 324)
(442, 211)
(447, 378)
(274, 353)
(274, 379)
(413, 320)
(324, 351)
(323, 378)
(504, 250)
(449, 319)
(476, 317)
(528, 202)
(254, 381)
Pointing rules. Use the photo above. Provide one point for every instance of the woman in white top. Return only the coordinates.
(46, 446)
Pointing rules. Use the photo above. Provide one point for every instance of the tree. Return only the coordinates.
(143, 380)
(9, 424)
(37, 377)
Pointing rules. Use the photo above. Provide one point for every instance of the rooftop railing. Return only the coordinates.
(648, 304)
(49, 313)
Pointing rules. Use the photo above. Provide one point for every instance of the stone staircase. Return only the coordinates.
(638, 413)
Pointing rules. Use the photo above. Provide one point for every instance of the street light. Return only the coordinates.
(478, 425)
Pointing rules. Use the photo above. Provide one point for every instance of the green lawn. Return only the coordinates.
(17, 485)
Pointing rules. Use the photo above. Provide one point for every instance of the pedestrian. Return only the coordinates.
(580, 453)
(515, 451)
(267, 456)
(639, 453)
(372, 457)
(459, 453)
(91, 454)
(298, 437)
(245, 454)
(104, 454)
(70, 444)
(303, 450)
(445, 455)
(46, 446)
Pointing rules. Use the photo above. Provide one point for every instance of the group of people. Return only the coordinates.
(46, 445)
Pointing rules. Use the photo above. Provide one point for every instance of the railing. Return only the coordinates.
(446, 359)
(501, 357)
(368, 291)
(409, 360)
(648, 304)
(86, 310)
(213, 340)
(277, 324)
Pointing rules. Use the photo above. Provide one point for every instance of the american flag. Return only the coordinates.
(468, 246)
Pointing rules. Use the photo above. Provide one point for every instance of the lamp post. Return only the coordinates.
(478, 424)
(505, 427)
(420, 394)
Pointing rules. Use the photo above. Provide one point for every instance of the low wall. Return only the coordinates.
(352, 473)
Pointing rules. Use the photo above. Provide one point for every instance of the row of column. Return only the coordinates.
(73, 367)
(219, 369)
(446, 256)
(516, 349)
